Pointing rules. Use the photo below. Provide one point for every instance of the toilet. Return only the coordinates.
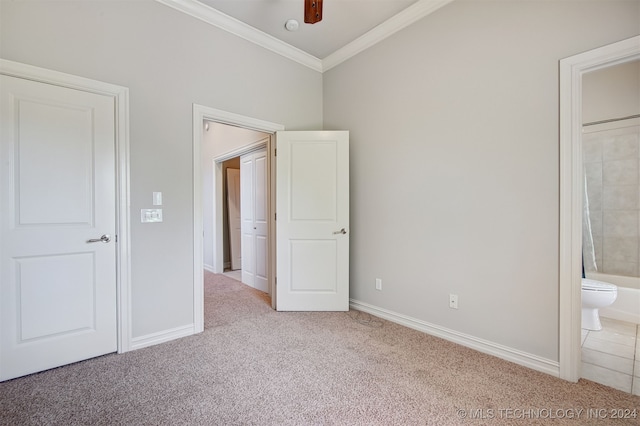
(595, 295)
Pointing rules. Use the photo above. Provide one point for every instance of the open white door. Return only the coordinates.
(312, 221)
(57, 226)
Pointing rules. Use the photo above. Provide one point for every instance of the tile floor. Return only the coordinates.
(611, 356)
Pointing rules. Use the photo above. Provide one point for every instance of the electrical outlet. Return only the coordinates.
(378, 284)
(453, 301)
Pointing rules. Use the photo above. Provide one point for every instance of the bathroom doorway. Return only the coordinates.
(610, 234)
(572, 70)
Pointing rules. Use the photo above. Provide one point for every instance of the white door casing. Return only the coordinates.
(255, 222)
(58, 165)
(312, 174)
(235, 223)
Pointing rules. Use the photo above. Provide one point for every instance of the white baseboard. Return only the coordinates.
(162, 336)
(209, 268)
(516, 356)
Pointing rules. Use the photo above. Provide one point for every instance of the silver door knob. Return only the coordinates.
(104, 239)
(342, 231)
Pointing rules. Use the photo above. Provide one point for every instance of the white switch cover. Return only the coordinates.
(157, 198)
(150, 215)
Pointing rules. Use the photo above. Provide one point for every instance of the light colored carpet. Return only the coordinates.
(254, 366)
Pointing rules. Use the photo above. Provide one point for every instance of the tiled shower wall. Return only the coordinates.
(611, 163)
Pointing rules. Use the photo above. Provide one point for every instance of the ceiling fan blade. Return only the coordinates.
(312, 11)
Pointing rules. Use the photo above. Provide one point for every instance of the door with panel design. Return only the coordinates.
(255, 224)
(312, 221)
(57, 226)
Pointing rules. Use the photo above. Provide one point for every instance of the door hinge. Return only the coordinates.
(275, 216)
(116, 237)
(275, 152)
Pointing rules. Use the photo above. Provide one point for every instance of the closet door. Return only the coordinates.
(253, 193)
(57, 227)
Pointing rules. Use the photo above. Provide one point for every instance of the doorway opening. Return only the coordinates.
(232, 218)
(225, 149)
(572, 70)
(235, 203)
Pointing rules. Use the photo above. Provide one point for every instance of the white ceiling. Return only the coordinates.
(347, 28)
(342, 20)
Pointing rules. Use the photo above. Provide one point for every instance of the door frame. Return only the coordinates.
(200, 114)
(123, 231)
(570, 272)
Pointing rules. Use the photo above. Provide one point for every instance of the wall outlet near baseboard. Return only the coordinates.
(379, 284)
(453, 301)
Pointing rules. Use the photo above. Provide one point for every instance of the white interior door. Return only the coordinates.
(246, 207)
(312, 221)
(235, 222)
(57, 192)
(254, 207)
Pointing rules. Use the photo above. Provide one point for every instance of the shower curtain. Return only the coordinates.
(588, 249)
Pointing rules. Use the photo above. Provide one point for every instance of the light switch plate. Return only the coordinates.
(150, 215)
(157, 198)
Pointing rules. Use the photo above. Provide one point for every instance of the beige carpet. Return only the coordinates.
(254, 366)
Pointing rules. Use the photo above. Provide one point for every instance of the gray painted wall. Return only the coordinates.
(455, 162)
(169, 61)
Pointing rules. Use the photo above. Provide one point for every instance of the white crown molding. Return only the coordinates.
(413, 13)
(242, 30)
(389, 27)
